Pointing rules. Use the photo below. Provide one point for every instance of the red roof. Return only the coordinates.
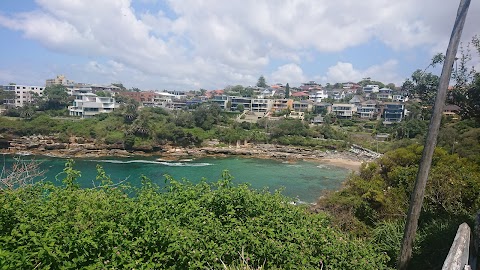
(299, 94)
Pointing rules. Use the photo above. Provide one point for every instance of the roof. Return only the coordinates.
(299, 94)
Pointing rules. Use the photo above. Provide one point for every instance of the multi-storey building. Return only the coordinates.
(262, 105)
(385, 94)
(371, 88)
(302, 106)
(246, 102)
(60, 79)
(344, 110)
(23, 94)
(368, 109)
(87, 104)
(393, 112)
(282, 104)
(318, 96)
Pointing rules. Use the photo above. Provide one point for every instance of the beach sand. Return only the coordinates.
(353, 165)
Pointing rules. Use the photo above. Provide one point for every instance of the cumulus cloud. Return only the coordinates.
(343, 72)
(289, 73)
(213, 43)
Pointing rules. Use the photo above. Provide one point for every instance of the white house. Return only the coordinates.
(87, 104)
(317, 96)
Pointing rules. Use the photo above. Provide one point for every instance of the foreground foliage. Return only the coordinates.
(374, 203)
(183, 226)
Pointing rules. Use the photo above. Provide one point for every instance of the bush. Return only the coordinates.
(183, 226)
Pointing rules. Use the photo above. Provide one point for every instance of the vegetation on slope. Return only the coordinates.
(374, 203)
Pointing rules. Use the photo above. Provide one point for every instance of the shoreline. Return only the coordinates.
(350, 160)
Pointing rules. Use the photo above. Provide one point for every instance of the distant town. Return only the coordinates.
(364, 100)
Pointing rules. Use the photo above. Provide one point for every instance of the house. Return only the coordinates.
(344, 110)
(318, 95)
(451, 110)
(393, 112)
(179, 95)
(399, 98)
(301, 95)
(368, 109)
(87, 104)
(385, 94)
(246, 102)
(318, 120)
(140, 97)
(357, 100)
(112, 89)
(371, 88)
(311, 85)
(22, 94)
(261, 105)
(221, 100)
(282, 104)
(337, 94)
(214, 93)
(322, 108)
(302, 106)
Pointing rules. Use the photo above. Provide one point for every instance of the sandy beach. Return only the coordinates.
(353, 165)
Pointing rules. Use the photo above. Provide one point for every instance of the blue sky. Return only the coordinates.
(190, 44)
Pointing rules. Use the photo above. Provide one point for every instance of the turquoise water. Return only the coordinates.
(302, 180)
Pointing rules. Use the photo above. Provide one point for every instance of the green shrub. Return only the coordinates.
(183, 226)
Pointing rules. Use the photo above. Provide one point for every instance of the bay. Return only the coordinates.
(302, 180)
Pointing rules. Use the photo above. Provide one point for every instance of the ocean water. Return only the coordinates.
(302, 180)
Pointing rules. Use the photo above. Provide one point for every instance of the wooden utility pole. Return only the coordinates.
(416, 198)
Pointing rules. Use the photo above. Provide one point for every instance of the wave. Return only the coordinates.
(165, 163)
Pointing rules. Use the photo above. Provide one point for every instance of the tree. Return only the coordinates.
(466, 92)
(240, 108)
(5, 95)
(391, 86)
(207, 115)
(287, 91)
(27, 111)
(55, 97)
(469, 100)
(246, 92)
(261, 82)
(135, 89)
(120, 85)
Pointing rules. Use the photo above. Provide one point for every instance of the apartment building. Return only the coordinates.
(60, 79)
(23, 94)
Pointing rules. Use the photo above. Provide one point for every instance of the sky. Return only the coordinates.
(211, 44)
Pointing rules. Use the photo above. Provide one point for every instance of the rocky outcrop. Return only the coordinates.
(81, 147)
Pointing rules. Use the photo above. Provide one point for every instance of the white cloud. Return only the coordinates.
(289, 73)
(213, 43)
(343, 72)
